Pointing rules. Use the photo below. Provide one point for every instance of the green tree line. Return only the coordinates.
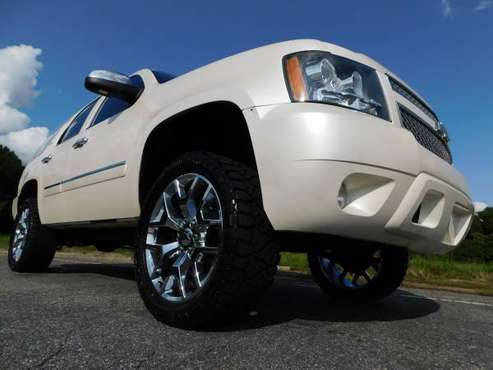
(478, 245)
(10, 172)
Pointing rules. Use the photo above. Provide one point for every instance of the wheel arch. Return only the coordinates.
(217, 126)
(29, 190)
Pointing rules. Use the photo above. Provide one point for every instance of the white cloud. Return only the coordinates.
(447, 9)
(484, 4)
(480, 206)
(19, 70)
(25, 142)
(12, 119)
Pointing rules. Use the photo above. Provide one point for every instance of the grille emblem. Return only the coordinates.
(442, 131)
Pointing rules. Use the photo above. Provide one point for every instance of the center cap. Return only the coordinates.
(185, 236)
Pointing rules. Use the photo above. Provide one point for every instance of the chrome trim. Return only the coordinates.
(406, 93)
(117, 222)
(109, 167)
(184, 238)
(110, 76)
(80, 143)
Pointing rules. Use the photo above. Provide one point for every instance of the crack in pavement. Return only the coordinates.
(57, 352)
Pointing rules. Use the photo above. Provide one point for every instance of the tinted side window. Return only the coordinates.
(162, 77)
(77, 123)
(112, 106)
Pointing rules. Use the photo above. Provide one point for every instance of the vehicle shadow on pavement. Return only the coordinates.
(299, 298)
(293, 297)
(119, 270)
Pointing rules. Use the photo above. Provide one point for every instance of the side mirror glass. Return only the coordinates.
(112, 84)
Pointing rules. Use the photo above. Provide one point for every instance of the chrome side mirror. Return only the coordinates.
(112, 84)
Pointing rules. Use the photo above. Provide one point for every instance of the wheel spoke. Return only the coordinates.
(179, 189)
(169, 248)
(180, 264)
(168, 285)
(355, 279)
(342, 277)
(150, 261)
(190, 208)
(156, 273)
(151, 238)
(172, 221)
(181, 267)
(196, 274)
(204, 197)
(191, 198)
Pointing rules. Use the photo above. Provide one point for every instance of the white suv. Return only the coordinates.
(301, 146)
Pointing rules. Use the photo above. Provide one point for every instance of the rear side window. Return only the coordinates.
(113, 106)
(77, 123)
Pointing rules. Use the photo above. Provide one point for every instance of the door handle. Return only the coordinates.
(80, 143)
(46, 159)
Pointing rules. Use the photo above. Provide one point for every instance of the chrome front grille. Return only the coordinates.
(406, 93)
(425, 135)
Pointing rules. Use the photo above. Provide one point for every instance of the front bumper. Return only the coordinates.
(305, 152)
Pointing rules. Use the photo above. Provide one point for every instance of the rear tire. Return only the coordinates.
(32, 246)
(246, 260)
(367, 277)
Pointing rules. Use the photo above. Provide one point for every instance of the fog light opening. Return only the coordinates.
(430, 210)
(363, 194)
(415, 218)
(342, 196)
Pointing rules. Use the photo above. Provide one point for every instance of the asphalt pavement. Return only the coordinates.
(88, 314)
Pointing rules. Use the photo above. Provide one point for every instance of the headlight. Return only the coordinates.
(321, 77)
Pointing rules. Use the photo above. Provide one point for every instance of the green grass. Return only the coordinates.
(443, 271)
(296, 261)
(4, 241)
(435, 271)
(439, 271)
(83, 251)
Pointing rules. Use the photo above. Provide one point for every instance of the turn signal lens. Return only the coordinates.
(296, 81)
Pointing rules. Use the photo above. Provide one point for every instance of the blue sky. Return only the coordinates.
(442, 48)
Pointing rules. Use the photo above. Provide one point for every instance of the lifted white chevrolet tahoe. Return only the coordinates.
(300, 145)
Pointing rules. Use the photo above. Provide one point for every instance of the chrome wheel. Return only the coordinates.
(351, 274)
(184, 237)
(20, 235)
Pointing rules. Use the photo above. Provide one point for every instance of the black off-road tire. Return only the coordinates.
(40, 246)
(394, 267)
(248, 260)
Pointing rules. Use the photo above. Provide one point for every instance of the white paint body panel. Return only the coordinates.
(303, 152)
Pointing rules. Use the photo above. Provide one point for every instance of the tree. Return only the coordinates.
(487, 220)
(10, 172)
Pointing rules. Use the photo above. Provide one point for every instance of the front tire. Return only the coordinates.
(364, 277)
(32, 246)
(205, 250)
